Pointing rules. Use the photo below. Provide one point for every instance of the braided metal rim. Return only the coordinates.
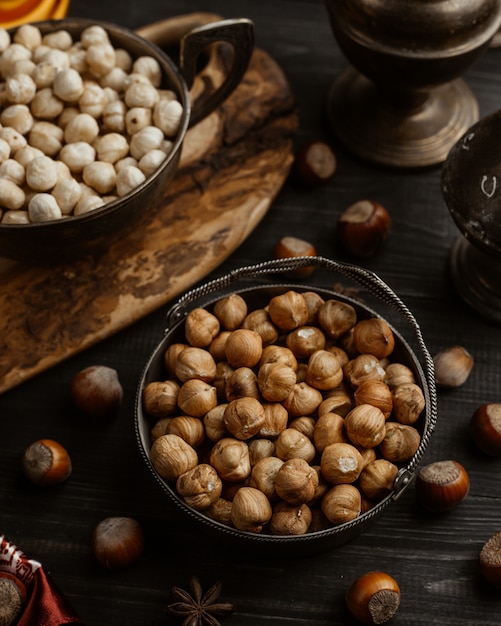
(377, 287)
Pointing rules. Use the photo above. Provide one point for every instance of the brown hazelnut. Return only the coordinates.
(160, 398)
(214, 425)
(324, 370)
(363, 367)
(373, 598)
(442, 485)
(230, 458)
(231, 311)
(275, 419)
(264, 475)
(260, 448)
(217, 346)
(342, 503)
(291, 444)
(96, 391)
(363, 227)
(341, 355)
(288, 310)
(196, 397)
(46, 462)
(290, 519)
(302, 400)
(242, 382)
(305, 425)
(336, 317)
(290, 247)
(336, 401)
(376, 479)
(314, 163)
(191, 429)
(260, 321)
(223, 372)
(397, 374)
(296, 481)
(170, 356)
(250, 510)
(313, 301)
(341, 463)
(195, 362)
(201, 327)
(200, 486)
(408, 403)
(220, 511)
(485, 428)
(244, 417)
(305, 340)
(243, 348)
(117, 542)
(452, 366)
(365, 426)
(275, 381)
(374, 336)
(400, 442)
(377, 393)
(171, 456)
(160, 428)
(329, 428)
(490, 560)
(278, 354)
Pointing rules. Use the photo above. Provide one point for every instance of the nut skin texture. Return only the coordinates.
(314, 164)
(374, 336)
(485, 429)
(452, 367)
(363, 227)
(171, 456)
(342, 503)
(96, 391)
(251, 510)
(442, 485)
(373, 598)
(46, 462)
(117, 542)
(490, 560)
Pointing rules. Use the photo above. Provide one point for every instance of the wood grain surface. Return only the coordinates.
(232, 166)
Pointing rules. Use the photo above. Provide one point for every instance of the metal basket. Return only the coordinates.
(257, 294)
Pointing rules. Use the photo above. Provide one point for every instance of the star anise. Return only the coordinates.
(197, 608)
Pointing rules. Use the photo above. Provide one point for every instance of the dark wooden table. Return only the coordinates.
(433, 557)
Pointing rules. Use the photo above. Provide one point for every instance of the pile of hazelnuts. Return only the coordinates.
(285, 419)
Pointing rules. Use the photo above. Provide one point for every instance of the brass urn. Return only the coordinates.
(402, 102)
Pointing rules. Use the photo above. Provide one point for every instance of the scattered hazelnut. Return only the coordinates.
(190, 429)
(452, 366)
(201, 327)
(12, 598)
(490, 560)
(45, 462)
(315, 163)
(242, 382)
(329, 428)
(289, 247)
(373, 598)
(117, 542)
(97, 391)
(363, 227)
(276, 381)
(260, 448)
(260, 321)
(193, 362)
(442, 485)
(292, 444)
(485, 428)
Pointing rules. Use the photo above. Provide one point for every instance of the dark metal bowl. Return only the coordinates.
(256, 297)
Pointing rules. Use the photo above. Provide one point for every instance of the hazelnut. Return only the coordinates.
(374, 336)
(452, 366)
(201, 327)
(363, 227)
(363, 367)
(170, 356)
(490, 560)
(342, 503)
(373, 598)
(214, 425)
(46, 462)
(408, 403)
(278, 354)
(275, 381)
(196, 397)
(302, 400)
(200, 486)
(231, 311)
(117, 542)
(377, 393)
(195, 362)
(314, 163)
(223, 372)
(264, 475)
(329, 428)
(341, 463)
(442, 485)
(290, 519)
(160, 398)
(96, 391)
(305, 425)
(260, 321)
(400, 442)
(244, 417)
(365, 426)
(243, 348)
(160, 428)
(242, 382)
(290, 247)
(324, 370)
(171, 456)
(191, 429)
(296, 481)
(397, 374)
(305, 340)
(275, 419)
(291, 444)
(341, 355)
(230, 458)
(376, 479)
(220, 511)
(485, 428)
(217, 346)
(313, 301)
(336, 401)
(288, 310)
(250, 510)
(336, 317)
(260, 449)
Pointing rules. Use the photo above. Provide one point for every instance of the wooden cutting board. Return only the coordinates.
(233, 165)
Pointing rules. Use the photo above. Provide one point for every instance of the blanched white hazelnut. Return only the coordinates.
(111, 147)
(43, 74)
(28, 36)
(128, 179)
(26, 154)
(93, 35)
(77, 155)
(167, 115)
(41, 173)
(4, 150)
(15, 140)
(4, 39)
(146, 139)
(43, 208)
(12, 170)
(114, 116)
(67, 193)
(82, 127)
(20, 89)
(15, 217)
(123, 59)
(11, 195)
(100, 58)
(92, 100)
(141, 95)
(137, 118)
(45, 105)
(17, 116)
(15, 52)
(151, 160)
(60, 39)
(68, 85)
(47, 137)
(100, 175)
(58, 58)
(150, 67)
(87, 203)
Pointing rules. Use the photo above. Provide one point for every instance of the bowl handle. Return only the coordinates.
(194, 33)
